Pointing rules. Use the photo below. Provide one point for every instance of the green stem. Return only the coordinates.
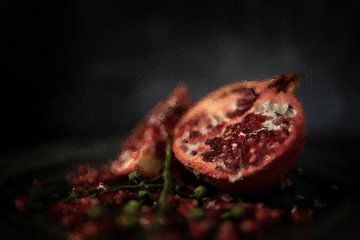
(167, 179)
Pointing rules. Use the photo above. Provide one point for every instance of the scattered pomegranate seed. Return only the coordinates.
(249, 226)
(186, 206)
(91, 229)
(21, 202)
(120, 197)
(72, 220)
(276, 215)
(226, 231)
(301, 216)
(200, 229)
(146, 219)
(262, 215)
(75, 236)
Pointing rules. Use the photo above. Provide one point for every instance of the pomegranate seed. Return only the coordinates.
(186, 206)
(146, 218)
(213, 213)
(75, 236)
(91, 229)
(120, 197)
(249, 226)
(276, 215)
(267, 216)
(21, 202)
(301, 216)
(226, 231)
(106, 198)
(262, 215)
(71, 220)
(200, 229)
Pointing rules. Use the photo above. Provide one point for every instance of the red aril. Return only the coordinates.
(21, 203)
(143, 151)
(243, 137)
(249, 226)
(226, 231)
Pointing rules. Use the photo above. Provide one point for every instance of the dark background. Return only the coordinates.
(93, 68)
(78, 75)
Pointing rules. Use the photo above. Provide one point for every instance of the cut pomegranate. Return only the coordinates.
(244, 137)
(143, 151)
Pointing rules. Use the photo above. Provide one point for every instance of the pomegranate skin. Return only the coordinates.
(256, 177)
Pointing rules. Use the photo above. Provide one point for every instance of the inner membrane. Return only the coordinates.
(248, 142)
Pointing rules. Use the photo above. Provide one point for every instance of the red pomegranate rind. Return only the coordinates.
(243, 137)
(143, 150)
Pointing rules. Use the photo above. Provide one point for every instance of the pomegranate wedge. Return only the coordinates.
(143, 150)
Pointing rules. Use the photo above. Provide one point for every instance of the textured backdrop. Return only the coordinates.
(93, 68)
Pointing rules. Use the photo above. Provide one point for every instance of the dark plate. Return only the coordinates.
(324, 163)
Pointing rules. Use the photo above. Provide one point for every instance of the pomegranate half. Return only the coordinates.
(143, 150)
(243, 137)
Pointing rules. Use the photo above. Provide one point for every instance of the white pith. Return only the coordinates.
(271, 110)
(192, 147)
(125, 156)
(235, 177)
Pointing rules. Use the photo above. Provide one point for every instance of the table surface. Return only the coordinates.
(325, 162)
